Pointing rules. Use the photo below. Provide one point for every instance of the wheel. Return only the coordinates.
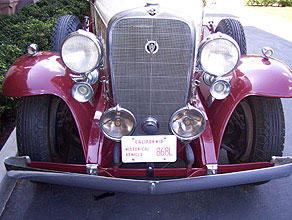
(234, 29)
(255, 131)
(46, 130)
(64, 26)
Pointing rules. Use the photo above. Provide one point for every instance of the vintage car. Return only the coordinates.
(142, 97)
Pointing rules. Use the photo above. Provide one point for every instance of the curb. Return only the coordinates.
(6, 183)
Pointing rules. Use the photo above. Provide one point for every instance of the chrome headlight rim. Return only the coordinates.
(190, 108)
(96, 42)
(214, 37)
(117, 108)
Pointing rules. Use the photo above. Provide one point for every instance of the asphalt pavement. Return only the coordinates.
(268, 201)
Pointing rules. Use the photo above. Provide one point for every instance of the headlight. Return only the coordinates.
(117, 122)
(219, 54)
(187, 123)
(81, 51)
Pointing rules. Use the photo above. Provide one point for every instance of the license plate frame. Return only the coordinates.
(150, 148)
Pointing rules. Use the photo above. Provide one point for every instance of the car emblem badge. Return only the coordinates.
(152, 12)
(151, 47)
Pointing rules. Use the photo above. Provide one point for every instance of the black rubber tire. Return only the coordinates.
(262, 132)
(64, 26)
(269, 135)
(234, 29)
(45, 130)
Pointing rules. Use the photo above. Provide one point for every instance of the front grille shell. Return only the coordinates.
(157, 84)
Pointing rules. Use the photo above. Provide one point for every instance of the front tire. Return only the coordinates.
(255, 131)
(46, 130)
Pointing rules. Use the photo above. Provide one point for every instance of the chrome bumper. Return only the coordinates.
(16, 168)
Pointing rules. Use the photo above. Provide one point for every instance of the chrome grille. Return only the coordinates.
(150, 84)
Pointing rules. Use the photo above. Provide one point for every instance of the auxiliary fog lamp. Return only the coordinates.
(117, 122)
(187, 123)
(220, 89)
(82, 91)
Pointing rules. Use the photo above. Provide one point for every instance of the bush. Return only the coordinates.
(284, 3)
(280, 3)
(32, 24)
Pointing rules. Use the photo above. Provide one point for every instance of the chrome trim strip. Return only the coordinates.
(98, 12)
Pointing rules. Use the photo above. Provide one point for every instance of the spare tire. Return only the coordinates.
(234, 29)
(64, 26)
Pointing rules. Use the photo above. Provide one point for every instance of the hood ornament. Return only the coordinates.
(151, 47)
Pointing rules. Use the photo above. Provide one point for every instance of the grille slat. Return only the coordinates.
(150, 84)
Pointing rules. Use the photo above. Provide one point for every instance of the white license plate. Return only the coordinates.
(155, 148)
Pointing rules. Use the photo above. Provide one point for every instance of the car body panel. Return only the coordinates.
(109, 8)
(254, 76)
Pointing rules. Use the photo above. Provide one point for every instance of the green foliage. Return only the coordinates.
(285, 3)
(280, 3)
(32, 24)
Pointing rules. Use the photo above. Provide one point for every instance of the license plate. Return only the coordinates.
(155, 148)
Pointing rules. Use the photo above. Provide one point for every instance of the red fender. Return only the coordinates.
(46, 74)
(254, 76)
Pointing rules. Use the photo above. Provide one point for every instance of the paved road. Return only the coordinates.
(268, 201)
